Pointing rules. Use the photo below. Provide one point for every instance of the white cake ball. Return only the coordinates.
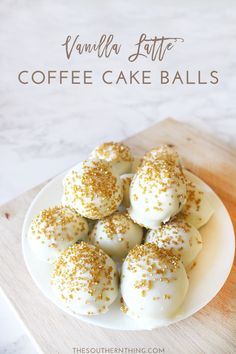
(92, 189)
(116, 234)
(117, 154)
(157, 193)
(126, 180)
(55, 229)
(153, 283)
(162, 152)
(178, 236)
(86, 279)
(197, 209)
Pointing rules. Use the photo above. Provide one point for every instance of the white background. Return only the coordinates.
(45, 129)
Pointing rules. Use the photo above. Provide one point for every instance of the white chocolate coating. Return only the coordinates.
(153, 283)
(157, 193)
(162, 152)
(55, 229)
(117, 154)
(178, 236)
(86, 279)
(126, 180)
(116, 235)
(197, 209)
(92, 189)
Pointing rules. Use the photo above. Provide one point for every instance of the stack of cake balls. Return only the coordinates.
(126, 227)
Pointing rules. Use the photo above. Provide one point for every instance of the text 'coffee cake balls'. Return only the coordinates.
(157, 193)
(55, 229)
(153, 283)
(197, 209)
(86, 279)
(117, 154)
(116, 234)
(92, 189)
(178, 236)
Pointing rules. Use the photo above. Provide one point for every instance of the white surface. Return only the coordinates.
(216, 257)
(44, 130)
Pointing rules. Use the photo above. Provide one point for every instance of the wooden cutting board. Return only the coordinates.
(211, 330)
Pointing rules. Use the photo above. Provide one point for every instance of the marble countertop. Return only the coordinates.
(44, 129)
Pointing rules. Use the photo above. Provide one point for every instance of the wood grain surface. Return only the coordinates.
(211, 330)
